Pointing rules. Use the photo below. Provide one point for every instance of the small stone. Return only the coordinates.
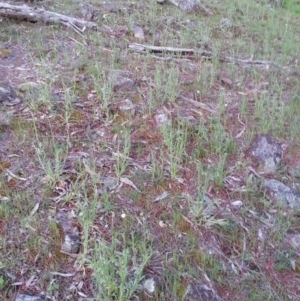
(225, 23)
(8, 95)
(188, 117)
(151, 284)
(123, 108)
(295, 241)
(124, 84)
(209, 207)
(109, 182)
(138, 32)
(79, 63)
(200, 292)
(237, 203)
(161, 118)
(267, 152)
(295, 171)
(126, 105)
(71, 243)
(283, 194)
(86, 11)
(122, 81)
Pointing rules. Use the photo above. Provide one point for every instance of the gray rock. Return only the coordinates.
(79, 63)
(295, 171)
(161, 118)
(237, 204)
(295, 241)
(110, 183)
(202, 205)
(23, 297)
(210, 207)
(187, 116)
(138, 32)
(200, 292)
(87, 11)
(123, 107)
(8, 95)
(122, 81)
(126, 105)
(267, 152)
(225, 23)
(71, 241)
(151, 285)
(291, 240)
(283, 194)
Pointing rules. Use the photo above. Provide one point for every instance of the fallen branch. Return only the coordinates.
(34, 14)
(208, 55)
(197, 104)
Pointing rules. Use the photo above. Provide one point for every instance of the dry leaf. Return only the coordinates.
(162, 196)
(35, 209)
(226, 82)
(130, 183)
(29, 281)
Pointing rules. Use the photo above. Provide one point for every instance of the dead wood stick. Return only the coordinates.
(197, 104)
(157, 49)
(196, 53)
(34, 14)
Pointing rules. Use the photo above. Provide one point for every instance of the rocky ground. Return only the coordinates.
(153, 155)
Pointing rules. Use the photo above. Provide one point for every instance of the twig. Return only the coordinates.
(197, 53)
(14, 176)
(197, 104)
(62, 274)
(69, 254)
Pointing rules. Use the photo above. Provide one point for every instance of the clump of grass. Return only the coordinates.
(119, 266)
(175, 139)
(122, 153)
(292, 5)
